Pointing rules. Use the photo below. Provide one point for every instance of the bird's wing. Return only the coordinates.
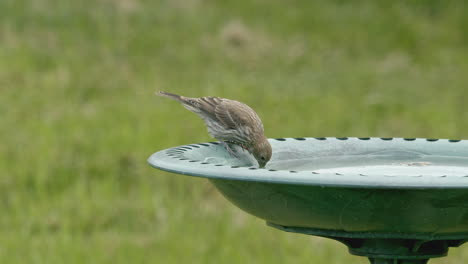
(204, 106)
(233, 114)
(230, 114)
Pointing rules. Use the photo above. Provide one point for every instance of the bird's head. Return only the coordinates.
(261, 150)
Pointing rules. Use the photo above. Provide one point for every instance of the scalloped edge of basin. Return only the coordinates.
(188, 160)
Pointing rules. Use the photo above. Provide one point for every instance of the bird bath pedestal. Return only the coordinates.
(393, 200)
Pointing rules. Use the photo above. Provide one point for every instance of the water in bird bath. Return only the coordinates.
(391, 164)
(240, 157)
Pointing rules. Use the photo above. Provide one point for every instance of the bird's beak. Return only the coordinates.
(261, 165)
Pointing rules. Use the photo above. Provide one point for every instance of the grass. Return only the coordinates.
(79, 118)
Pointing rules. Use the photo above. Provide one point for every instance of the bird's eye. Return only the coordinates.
(263, 158)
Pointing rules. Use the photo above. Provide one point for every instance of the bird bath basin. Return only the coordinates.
(393, 200)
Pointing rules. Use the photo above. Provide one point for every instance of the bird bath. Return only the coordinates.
(393, 200)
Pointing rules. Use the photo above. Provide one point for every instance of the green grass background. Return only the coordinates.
(78, 117)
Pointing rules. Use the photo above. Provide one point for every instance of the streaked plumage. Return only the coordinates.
(230, 121)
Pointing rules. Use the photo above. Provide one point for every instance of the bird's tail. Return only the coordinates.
(189, 103)
(171, 95)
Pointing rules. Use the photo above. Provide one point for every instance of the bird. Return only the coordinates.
(230, 122)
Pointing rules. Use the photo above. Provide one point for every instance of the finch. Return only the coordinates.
(230, 122)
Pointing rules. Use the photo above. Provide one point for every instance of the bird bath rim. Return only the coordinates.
(189, 160)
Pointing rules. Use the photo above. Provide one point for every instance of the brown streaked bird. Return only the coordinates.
(230, 122)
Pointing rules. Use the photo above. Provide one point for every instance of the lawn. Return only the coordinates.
(79, 116)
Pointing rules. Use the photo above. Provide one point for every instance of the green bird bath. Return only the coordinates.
(393, 200)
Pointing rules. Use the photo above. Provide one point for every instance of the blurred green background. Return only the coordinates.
(79, 116)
